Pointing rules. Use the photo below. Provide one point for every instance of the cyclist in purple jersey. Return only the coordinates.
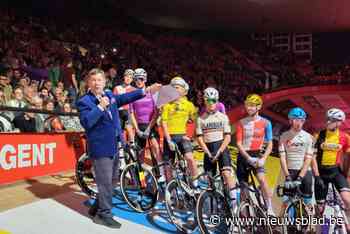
(143, 118)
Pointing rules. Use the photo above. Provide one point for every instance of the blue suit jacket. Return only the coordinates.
(102, 130)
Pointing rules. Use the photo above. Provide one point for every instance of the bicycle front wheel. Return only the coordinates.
(296, 211)
(139, 187)
(253, 219)
(214, 214)
(85, 176)
(180, 207)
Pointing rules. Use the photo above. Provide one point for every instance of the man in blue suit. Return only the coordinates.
(99, 116)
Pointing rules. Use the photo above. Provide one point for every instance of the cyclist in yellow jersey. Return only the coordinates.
(331, 145)
(175, 116)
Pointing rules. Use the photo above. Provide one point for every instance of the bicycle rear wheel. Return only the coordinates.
(85, 176)
(180, 207)
(140, 193)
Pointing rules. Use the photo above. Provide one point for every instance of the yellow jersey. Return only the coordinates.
(331, 149)
(176, 115)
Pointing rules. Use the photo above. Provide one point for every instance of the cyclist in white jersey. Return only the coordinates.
(296, 154)
(214, 134)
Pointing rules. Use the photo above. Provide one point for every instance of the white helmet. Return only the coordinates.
(179, 81)
(140, 73)
(335, 114)
(211, 93)
(128, 72)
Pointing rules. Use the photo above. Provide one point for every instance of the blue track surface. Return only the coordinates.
(157, 218)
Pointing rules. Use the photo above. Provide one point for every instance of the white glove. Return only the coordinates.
(252, 161)
(172, 145)
(260, 162)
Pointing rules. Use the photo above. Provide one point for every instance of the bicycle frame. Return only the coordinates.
(294, 196)
(180, 165)
(336, 204)
(254, 190)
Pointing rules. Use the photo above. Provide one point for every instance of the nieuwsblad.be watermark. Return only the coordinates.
(275, 221)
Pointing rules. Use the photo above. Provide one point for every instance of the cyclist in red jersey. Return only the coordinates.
(124, 116)
(251, 133)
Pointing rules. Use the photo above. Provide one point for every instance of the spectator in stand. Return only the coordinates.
(34, 84)
(68, 78)
(39, 117)
(54, 72)
(17, 76)
(25, 122)
(23, 82)
(52, 123)
(29, 93)
(60, 85)
(6, 87)
(62, 99)
(48, 86)
(17, 101)
(49, 105)
(112, 74)
(2, 97)
(44, 93)
(71, 123)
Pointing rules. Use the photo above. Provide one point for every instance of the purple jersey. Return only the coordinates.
(219, 107)
(143, 109)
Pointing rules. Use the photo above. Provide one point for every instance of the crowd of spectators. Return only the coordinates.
(43, 64)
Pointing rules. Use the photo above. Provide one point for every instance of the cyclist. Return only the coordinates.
(331, 144)
(251, 133)
(218, 106)
(296, 154)
(214, 134)
(174, 118)
(144, 113)
(124, 111)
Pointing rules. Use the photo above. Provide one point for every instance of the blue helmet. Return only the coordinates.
(297, 113)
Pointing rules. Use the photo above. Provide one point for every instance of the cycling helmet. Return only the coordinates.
(297, 113)
(254, 99)
(211, 93)
(128, 72)
(180, 82)
(335, 114)
(140, 73)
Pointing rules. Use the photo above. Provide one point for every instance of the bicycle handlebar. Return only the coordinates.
(282, 191)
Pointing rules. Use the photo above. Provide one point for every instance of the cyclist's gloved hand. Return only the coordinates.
(319, 182)
(297, 182)
(147, 132)
(252, 161)
(139, 133)
(210, 156)
(288, 184)
(132, 145)
(172, 145)
(216, 157)
(260, 162)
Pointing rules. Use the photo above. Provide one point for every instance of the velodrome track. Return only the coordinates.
(55, 205)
